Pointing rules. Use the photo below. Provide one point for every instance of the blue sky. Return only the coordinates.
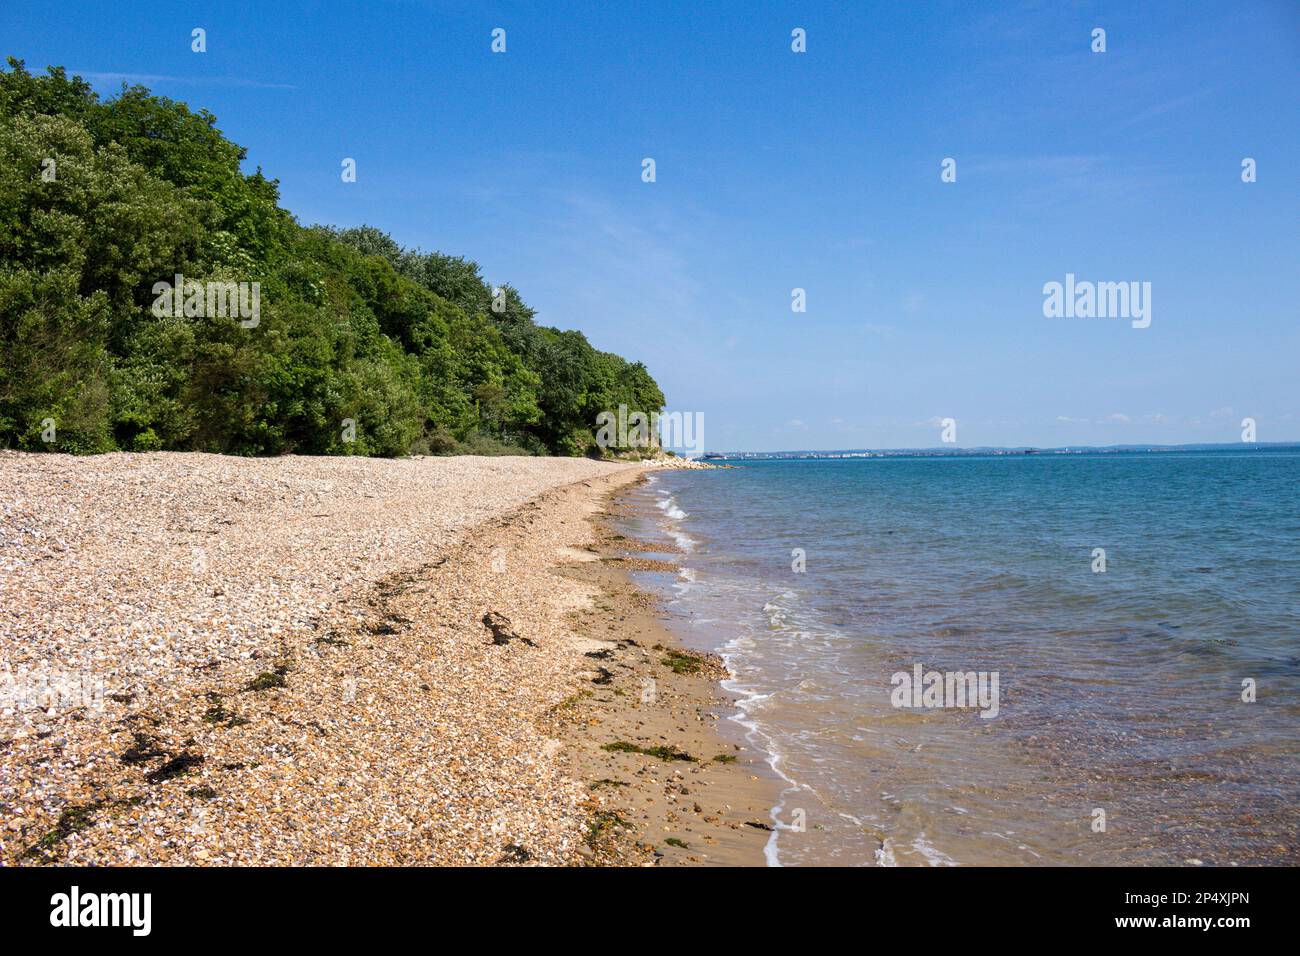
(821, 171)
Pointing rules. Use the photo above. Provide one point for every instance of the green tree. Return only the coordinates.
(102, 200)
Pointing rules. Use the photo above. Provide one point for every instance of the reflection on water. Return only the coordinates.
(1120, 691)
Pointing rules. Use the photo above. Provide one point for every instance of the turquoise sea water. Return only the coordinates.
(1119, 691)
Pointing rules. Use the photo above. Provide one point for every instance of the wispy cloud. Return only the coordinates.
(1060, 167)
(1038, 181)
(1120, 418)
(147, 79)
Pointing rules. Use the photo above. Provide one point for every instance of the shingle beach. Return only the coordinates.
(207, 659)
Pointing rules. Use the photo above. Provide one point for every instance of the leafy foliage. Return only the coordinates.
(101, 199)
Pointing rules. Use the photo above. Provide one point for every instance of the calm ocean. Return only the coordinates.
(1121, 733)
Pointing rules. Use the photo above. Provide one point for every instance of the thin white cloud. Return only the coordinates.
(146, 79)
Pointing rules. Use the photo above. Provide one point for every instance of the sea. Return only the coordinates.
(1051, 659)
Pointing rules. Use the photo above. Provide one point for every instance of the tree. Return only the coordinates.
(101, 200)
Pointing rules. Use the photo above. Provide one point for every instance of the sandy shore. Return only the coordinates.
(340, 661)
(671, 784)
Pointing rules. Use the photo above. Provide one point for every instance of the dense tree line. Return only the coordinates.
(102, 199)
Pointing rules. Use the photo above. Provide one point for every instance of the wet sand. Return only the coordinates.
(649, 692)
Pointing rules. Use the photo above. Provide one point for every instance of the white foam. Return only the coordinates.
(684, 540)
(932, 855)
(885, 854)
(751, 699)
(668, 505)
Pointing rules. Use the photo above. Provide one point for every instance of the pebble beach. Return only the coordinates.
(215, 660)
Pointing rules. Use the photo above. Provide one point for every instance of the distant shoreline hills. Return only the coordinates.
(986, 451)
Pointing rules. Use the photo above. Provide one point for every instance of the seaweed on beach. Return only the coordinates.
(667, 753)
(602, 825)
(269, 679)
(515, 853)
(217, 713)
(178, 766)
(390, 625)
(143, 750)
(72, 820)
(682, 662)
(565, 708)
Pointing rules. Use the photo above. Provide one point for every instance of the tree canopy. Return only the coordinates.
(102, 199)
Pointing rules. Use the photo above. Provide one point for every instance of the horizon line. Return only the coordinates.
(976, 449)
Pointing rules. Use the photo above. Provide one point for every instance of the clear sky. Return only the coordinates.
(777, 170)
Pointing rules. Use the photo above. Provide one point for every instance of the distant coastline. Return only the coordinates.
(985, 451)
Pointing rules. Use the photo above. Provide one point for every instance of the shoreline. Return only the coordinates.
(705, 789)
(399, 722)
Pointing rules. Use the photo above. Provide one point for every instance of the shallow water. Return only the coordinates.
(1118, 691)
